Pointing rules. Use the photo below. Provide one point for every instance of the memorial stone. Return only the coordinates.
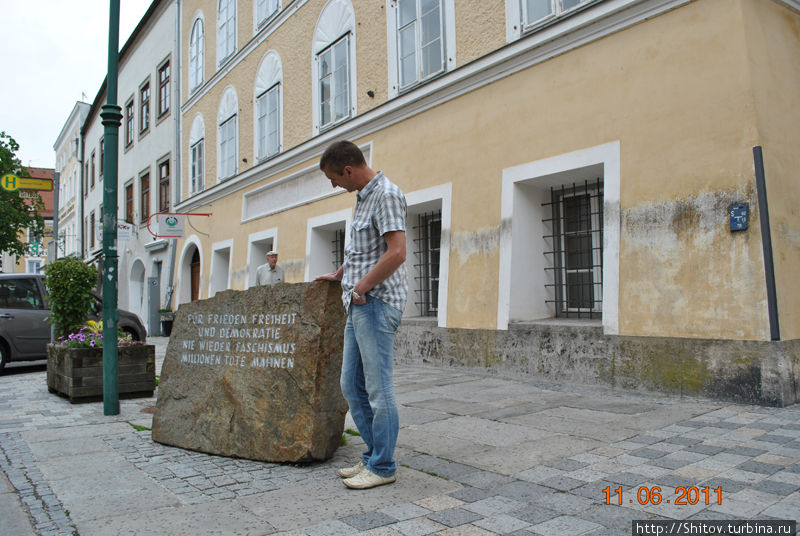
(255, 374)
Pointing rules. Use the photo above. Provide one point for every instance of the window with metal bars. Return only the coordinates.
(427, 243)
(576, 255)
(338, 248)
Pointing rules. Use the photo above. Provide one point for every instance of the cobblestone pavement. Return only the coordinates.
(478, 455)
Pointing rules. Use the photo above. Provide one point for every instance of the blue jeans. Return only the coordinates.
(367, 380)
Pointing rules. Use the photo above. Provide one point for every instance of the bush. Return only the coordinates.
(69, 282)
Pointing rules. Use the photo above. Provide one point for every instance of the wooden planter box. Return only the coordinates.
(77, 373)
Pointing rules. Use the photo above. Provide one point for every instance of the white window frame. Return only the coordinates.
(524, 189)
(197, 143)
(264, 11)
(448, 22)
(517, 14)
(196, 53)
(197, 155)
(336, 21)
(258, 244)
(421, 201)
(267, 122)
(226, 30)
(338, 51)
(318, 241)
(227, 147)
(269, 79)
(221, 260)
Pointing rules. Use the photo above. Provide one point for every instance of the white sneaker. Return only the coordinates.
(367, 479)
(348, 472)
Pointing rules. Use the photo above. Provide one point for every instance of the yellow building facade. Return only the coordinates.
(570, 171)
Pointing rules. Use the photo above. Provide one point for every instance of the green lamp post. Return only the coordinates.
(112, 119)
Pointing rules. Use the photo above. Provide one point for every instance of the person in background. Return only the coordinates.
(270, 273)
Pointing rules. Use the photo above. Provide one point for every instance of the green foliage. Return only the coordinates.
(70, 282)
(16, 214)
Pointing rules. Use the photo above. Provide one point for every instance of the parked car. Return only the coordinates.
(24, 329)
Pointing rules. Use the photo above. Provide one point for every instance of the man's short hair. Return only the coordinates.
(272, 252)
(340, 154)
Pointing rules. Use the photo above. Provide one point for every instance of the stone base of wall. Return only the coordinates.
(758, 372)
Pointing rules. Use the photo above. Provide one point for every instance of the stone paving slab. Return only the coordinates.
(478, 455)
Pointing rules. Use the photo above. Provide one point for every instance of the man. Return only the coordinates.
(270, 273)
(374, 289)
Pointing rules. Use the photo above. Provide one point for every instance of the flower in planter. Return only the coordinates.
(91, 336)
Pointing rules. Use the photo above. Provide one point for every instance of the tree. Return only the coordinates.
(16, 214)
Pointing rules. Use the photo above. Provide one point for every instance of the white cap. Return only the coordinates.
(272, 252)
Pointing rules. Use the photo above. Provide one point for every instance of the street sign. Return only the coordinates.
(171, 225)
(124, 231)
(11, 182)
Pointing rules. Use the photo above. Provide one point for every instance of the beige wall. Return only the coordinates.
(687, 94)
(773, 38)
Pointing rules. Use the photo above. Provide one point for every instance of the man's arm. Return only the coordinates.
(389, 262)
(333, 276)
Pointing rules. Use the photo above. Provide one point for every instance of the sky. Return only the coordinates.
(53, 53)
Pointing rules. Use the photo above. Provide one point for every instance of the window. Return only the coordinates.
(338, 248)
(226, 119)
(267, 122)
(334, 82)
(129, 203)
(264, 10)
(91, 174)
(102, 156)
(196, 43)
(427, 241)
(420, 42)
(227, 148)
(535, 12)
(226, 30)
(91, 230)
(577, 258)
(144, 107)
(333, 66)
(197, 168)
(268, 106)
(33, 267)
(129, 123)
(144, 202)
(163, 186)
(197, 155)
(86, 180)
(163, 89)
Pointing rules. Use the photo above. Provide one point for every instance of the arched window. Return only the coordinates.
(226, 30)
(334, 65)
(268, 106)
(196, 44)
(227, 134)
(197, 166)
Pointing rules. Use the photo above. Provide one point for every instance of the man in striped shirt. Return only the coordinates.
(374, 289)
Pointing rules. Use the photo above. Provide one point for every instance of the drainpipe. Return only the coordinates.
(766, 243)
(178, 174)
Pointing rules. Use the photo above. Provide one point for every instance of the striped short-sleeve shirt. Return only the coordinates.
(380, 208)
